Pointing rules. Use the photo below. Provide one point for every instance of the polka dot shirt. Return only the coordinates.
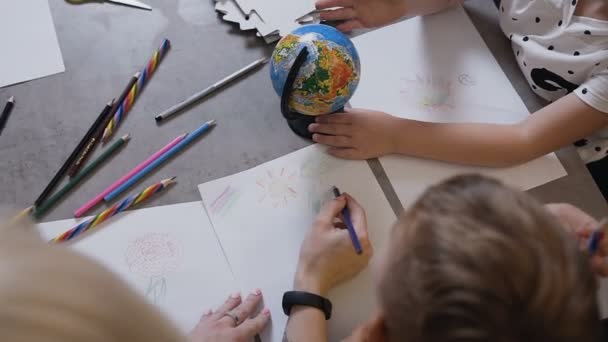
(559, 53)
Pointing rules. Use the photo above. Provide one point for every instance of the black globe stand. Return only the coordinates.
(297, 122)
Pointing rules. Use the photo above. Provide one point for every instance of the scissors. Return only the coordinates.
(131, 3)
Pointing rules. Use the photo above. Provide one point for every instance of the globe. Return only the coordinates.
(329, 76)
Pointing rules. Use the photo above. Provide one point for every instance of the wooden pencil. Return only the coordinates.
(72, 158)
(6, 112)
(51, 201)
(98, 134)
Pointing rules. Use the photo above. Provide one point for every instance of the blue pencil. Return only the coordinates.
(189, 138)
(349, 225)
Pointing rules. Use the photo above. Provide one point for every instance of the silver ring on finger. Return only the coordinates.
(234, 317)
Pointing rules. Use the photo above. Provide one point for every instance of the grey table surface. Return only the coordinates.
(104, 44)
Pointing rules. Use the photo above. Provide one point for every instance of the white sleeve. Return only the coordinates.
(594, 92)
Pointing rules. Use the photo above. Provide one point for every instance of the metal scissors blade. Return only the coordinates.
(132, 3)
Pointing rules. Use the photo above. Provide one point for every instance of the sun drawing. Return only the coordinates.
(276, 187)
(428, 93)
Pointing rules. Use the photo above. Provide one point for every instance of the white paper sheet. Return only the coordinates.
(30, 46)
(169, 254)
(437, 68)
(262, 215)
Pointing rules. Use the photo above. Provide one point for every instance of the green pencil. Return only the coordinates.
(46, 205)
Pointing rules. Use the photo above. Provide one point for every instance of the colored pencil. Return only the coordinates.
(98, 134)
(97, 199)
(127, 104)
(349, 224)
(597, 236)
(107, 153)
(209, 90)
(72, 158)
(189, 138)
(6, 112)
(22, 214)
(127, 203)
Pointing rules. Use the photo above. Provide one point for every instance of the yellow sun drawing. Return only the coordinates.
(431, 94)
(277, 188)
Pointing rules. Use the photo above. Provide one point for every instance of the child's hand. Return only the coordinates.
(327, 255)
(582, 225)
(358, 14)
(356, 133)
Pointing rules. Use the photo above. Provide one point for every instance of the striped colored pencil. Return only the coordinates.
(144, 77)
(127, 203)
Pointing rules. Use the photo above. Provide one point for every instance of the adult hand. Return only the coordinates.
(327, 255)
(233, 321)
(582, 226)
(357, 133)
(358, 14)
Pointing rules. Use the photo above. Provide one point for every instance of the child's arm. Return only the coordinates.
(363, 134)
(373, 13)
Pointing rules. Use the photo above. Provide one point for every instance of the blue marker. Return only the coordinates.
(189, 138)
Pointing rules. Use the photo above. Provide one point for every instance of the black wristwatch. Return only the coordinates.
(291, 298)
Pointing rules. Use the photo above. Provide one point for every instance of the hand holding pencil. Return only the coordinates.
(327, 257)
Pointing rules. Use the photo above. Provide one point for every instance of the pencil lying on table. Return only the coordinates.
(99, 132)
(119, 207)
(97, 199)
(107, 153)
(72, 158)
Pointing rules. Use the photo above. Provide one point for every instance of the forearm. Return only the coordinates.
(464, 143)
(425, 7)
(306, 323)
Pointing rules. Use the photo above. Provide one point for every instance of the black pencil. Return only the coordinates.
(6, 112)
(72, 158)
(90, 146)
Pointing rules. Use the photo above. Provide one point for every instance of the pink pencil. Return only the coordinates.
(95, 200)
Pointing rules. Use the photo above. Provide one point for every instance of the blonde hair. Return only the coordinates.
(50, 293)
(473, 260)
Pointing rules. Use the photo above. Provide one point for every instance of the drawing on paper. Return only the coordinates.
(277, 187)
(428, 93)
(316, 167)
(222, 204)
(466, 80)
(154, 256)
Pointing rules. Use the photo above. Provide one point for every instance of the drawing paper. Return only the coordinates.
(262, 215)
(169, 254)
(30, 46)
(437, 68)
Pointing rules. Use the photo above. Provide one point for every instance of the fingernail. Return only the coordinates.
(235, 295)
(256, 292)
(266, 312)
(310, 127)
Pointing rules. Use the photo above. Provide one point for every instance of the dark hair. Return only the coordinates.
(474, 260)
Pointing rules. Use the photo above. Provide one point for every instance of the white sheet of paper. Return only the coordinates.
(437, 68)
(262, 215)
(31, 49)
(169, 254)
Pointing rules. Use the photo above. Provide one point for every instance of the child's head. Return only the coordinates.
(52, 294)
(473, 260)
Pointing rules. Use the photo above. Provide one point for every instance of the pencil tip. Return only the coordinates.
(11, 99)
(158, 118)
(111, 103)
(169, 180)
(265, 60)
(211, 122)
(126, 137)
(137, 74)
